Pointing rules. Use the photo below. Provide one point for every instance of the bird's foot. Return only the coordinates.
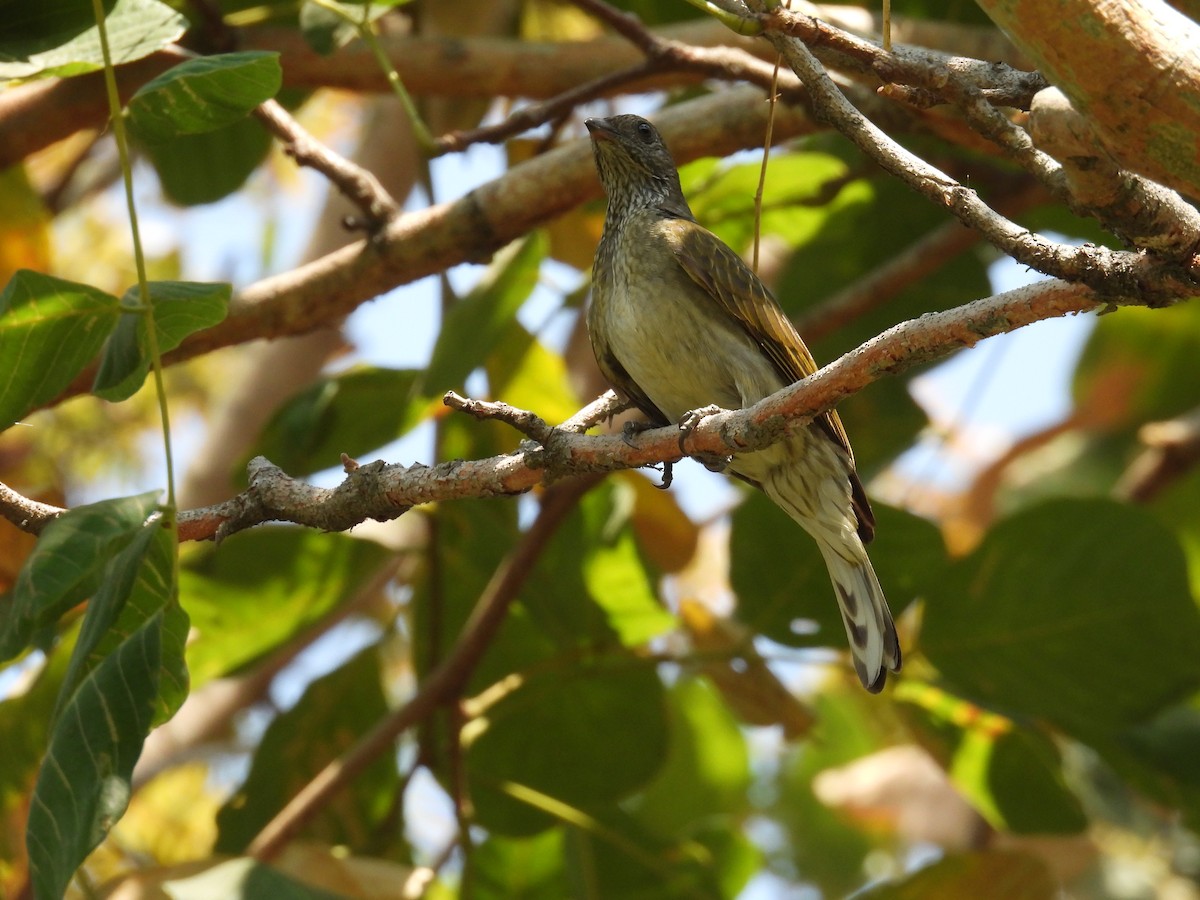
(630, 430)
(711, 461)
(668, 475)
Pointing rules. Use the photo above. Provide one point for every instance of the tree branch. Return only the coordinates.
(381, 491)
(357, 184)
(1107, 271)
(1133, 69)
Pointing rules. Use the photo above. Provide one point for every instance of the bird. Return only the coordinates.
(678, 322)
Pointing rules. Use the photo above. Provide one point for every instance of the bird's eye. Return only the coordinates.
(645, 132)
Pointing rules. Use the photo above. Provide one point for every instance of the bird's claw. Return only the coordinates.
(668, 475)
(711, 461)
(632, 429)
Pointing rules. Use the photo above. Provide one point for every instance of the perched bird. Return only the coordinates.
(678, 322)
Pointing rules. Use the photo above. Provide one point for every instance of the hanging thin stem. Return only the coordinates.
(145, 306)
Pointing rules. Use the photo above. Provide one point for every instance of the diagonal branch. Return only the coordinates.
(381, 491)
(1107, 271)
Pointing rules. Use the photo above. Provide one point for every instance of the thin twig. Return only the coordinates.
(358, 185)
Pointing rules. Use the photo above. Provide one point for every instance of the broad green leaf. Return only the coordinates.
(590, 585)
(1158, 758)
(67, 565)
(993, 873)
(263, 586)
(475, 325)
(335, 711)
(354, 412)
(204, 94)
(1011, 774)
(1139, 365)
(243, 879)
(1076, 611)
(106, 707)
(1179, 508)
(60, 37)
(328, 25)
(529, 868)
(523, 372)
(707, 772)
(1014, 779)
(602, 734)
(181, 308)
(626, 861)
(473, 537)
(203, 168)
(827, 848)
(783, 587)
(882, 422)
(138, 585)
(49, 330)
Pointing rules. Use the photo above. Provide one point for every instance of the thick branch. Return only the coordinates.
(1132, 68)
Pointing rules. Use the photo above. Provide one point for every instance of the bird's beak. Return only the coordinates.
(600, 129)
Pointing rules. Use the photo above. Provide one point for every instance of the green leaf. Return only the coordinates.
(1139, 365)
(625, 861)
(106, 706)
(473, 537)
(354, 412)
(203, 168)
(523, 372)
(1015, 780)
(181, 308)
(326, 29)
(475, 325)
(243, 879)
(993, 873)
(1158, 758)
(263, 586)
(707, 772)
(520, 868)
(331, 716)
(60, 37)
(782, 584)
(49, 330)
(1011, 774)
(827, 848)
(605, 735)
(139, 584)
(591, 585)
(67, 565)
(1076, 611)
(202, 95)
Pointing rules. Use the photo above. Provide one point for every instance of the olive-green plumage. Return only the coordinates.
(678, 322)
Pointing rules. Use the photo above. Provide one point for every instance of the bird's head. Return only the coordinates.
(635, 166)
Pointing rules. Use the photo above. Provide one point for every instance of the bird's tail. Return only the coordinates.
(865, 613)
(816, 494)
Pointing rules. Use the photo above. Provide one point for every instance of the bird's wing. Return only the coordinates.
(723, 275)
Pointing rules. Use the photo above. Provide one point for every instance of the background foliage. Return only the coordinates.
(666, 709)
